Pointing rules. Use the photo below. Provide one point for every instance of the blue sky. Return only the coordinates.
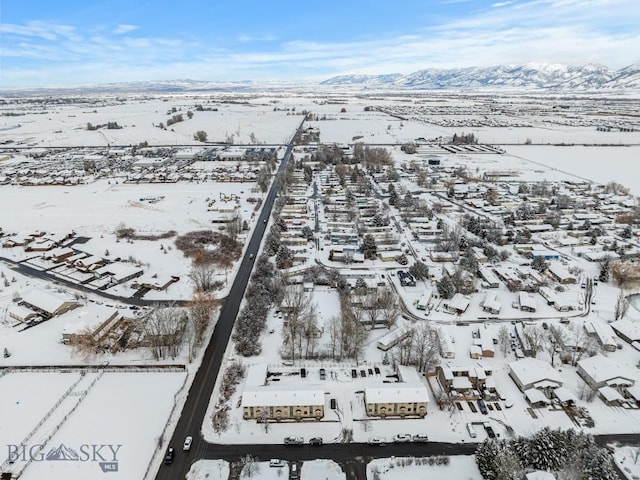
(72, 42)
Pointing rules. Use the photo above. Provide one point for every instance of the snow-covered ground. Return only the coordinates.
(66, 124)
(125, 413)
(458, 468)
(628, 460)
(209, 470)
(599, 164)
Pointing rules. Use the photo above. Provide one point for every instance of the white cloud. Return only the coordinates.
(124, 28)
(37, 29)
(256, 38)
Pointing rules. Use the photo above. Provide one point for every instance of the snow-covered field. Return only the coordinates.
(599, 164)
(66, 124)
(103, 410)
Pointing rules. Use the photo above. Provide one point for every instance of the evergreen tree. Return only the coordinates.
(539, 264)
(445, 287)
(419, 270)
(369, 247)
(284, 257)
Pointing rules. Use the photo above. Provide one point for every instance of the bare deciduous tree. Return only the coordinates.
(163, 328)
(347, 332)
(622, 306)
(389, 306)
(425, 350)
(202, 277)
(556, 341)
(300, 325)
(503, 339)
(536, 337)
(201, 310)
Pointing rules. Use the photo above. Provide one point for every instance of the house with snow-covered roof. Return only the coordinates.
(628, 330)
(603, 333)
(457, 304)
(561, 274)
(264, 400)
(527, 302)
(282, 403)
(600, 371)
(48, 305)
(91, 325)
(529, 373)
(406, 398)
(465, 381)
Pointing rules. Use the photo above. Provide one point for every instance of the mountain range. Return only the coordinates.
(543, 76)
(530, 76)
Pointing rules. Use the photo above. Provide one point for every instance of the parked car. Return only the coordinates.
(293, 474)
(323, 374)
(471, 431)
(402, 438)
(187, 444)
(168, 457)
(482, 406)
(276, 462)
(380, 441)
(315, 441)
(293, 441)
(420, 437)
(490, 432)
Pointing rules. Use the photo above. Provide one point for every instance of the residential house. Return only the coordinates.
(600, 371)
(458, 304)
(406, 398)
(603, 333)
(527, 302)
(91, 325)
(46, 304)
(265, 401)
(531, 373)
(465, 381)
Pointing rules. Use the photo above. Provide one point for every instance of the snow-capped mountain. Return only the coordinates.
(362, 79)
(547, 76)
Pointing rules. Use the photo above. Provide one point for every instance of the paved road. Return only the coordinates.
(195, 407)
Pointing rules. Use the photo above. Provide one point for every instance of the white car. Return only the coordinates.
(402, 438)
(187, 444)
(377, 441)
(276, 462)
